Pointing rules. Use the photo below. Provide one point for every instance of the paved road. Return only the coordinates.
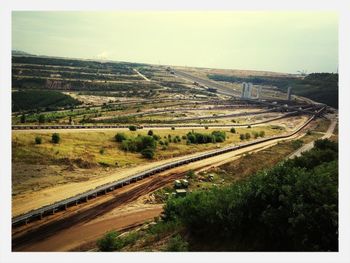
(208, 83)
(310, 145)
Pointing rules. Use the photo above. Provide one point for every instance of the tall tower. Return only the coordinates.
(259, 93)
(243, 90)
(250, 88)
(289, 93)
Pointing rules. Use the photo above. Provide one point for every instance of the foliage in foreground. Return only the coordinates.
(291, 207)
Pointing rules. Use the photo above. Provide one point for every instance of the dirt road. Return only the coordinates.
(310, 145)
(80, 234)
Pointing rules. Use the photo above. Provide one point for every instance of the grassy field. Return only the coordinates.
(81, 155)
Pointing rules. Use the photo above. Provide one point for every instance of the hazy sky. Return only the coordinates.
(276, 41)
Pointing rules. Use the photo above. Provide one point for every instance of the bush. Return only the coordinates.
(109, 242)
(132, 128)
(249, 126)
(173, 128)
(206, 127)
(150, 133)
(233, 130)
(38, 140)
(119, 137)
(156, 137)
(55, 138)
(41, 118)
(148, 153)
(177, 244)
(290, 207)
(255, 134)
(139, 143)
(247, 136)
(242, 137)
(262, 134)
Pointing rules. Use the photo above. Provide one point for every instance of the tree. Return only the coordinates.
(132, 128)
(38, 140)
(55, 138)
(233, 130)
(41, 118)
(23, 118)
(150, 133)
(119, 137)
(109, 242)
(148, 153)
(177, 244)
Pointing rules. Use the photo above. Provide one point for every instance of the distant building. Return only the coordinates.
(289, 93)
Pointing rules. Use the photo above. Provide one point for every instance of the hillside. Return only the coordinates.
(41, 99)
(321, 87)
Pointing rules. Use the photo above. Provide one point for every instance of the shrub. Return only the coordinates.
(255, 134)
(156, 137)
(262, 133)
(247, 136)
(41, 118)
(55, 138)
(110, 242)
(290, 207)
(242, 137)
(132, 128)
(206, 127)
(102, 151)
(233, 130)
(150, 133)
(249, 126)
(173, 128)
(119, 137)
(23, 118)
(177, 244)
(148, 153)
(38, 140)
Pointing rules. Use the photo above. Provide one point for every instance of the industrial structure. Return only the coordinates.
(259, 93)
(246, 90)
(289, 93)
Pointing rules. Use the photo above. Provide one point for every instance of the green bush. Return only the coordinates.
(247, 136)
(139, 143)
(242, 137)
(173, 128)
(233, 130)
(38, 140)
(41, 118)
(150, 133)
(132, 128)
(119, 137)
(262, 133)
(148, 153)
(290, 207)
(110, 242)
(55, 138)
(177, 244)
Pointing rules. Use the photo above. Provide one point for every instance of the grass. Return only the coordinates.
(87, 145)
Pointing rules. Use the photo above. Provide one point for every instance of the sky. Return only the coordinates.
(270, 41)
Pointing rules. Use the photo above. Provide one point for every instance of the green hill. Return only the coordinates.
(321, 87)
(41, 99)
